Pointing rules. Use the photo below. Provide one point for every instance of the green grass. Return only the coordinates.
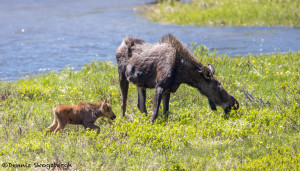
(263, 134)
(226, 12)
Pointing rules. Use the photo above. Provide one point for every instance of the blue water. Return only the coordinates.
(40, 36)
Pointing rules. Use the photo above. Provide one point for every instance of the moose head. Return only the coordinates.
(212, 88)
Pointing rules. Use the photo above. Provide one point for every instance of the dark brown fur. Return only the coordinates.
(164, 66)
(83, 114)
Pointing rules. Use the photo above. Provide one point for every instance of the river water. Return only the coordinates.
(39, 36)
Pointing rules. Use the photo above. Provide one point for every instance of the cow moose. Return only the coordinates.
(164, 66)
(82, 114)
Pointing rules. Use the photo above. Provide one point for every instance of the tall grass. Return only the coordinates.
(226, 12)
(263, 134)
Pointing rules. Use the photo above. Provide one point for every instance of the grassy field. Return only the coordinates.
(263, 134)
(226, 12)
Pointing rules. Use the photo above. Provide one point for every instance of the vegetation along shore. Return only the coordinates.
(262, 134)
(225, 12)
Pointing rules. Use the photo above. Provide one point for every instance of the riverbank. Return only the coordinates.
(226, 13)
(263, 134)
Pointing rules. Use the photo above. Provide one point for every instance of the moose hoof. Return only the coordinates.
(152, 119)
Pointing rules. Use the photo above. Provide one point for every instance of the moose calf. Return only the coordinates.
(82, 114)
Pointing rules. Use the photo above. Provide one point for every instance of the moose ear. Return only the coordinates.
(206, 72)
(105, 101)
(108, 100)
(212, 69)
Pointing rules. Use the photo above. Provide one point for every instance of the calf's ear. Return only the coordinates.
(108, 100)
(105, 101)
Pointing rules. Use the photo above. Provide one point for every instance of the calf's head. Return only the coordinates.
(212, 88)
(106, 110)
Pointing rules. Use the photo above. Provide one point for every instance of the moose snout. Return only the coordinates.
(113, 117)
(233, 105)
(236, 105)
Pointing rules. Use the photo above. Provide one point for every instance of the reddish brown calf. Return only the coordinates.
(82, 114)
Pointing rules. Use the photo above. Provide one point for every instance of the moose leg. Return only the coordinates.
(142, 99)
(92, 126)
(166, 99)
(156, 103)
(124, 92)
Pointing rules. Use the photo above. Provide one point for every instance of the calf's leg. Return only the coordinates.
(61, 124)
(54, 125)
(92, 126)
